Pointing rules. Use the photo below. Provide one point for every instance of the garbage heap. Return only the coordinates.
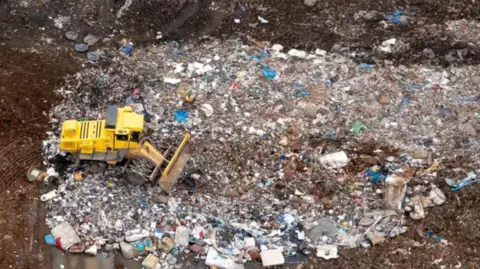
(295, 153)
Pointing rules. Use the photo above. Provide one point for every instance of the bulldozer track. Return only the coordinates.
(25, 93)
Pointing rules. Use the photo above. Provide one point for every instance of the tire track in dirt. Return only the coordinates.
(25, 94)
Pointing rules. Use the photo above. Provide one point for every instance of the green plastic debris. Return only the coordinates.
(267, 183)
(358, 127)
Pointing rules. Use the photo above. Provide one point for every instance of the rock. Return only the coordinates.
(426, 202)
(232, 193)
(404, 19)
(207, 109)
(301, 66)
(427, 52)
(283, 141)
(366, 222)
(271, 257)
(118, 225)
(81, 47)
(71, 35)
(475, 80)
(108, 247)
(384, 100)
(372, 15)
(150, 261)
(375, 238)
(161, 199)
(419, 154)
(295, 145)
(297, 53)
(309, 3)
(91, 39)
(92, 250)
(467, 128)
(327, 202)
(128, 251)
(310, 111)
(334, 160)
(369, 159)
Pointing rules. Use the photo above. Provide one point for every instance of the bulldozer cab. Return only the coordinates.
(127, 126)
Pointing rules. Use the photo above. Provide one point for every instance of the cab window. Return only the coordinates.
(135, 136)
(122, 137)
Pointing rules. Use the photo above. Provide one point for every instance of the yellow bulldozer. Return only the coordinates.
(118, 137)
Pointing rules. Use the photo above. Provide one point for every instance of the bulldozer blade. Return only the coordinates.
(175, 167)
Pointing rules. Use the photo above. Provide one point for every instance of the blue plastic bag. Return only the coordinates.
(127, 49)
(395, 18)
(181, 116)
(268, 72)
(367, 67)
(50, 240)
(375, 177)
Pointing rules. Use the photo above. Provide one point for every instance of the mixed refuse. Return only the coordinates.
(280, 169)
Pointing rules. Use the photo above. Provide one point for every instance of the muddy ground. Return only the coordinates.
(35, 56)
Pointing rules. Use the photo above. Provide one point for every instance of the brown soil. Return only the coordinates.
(27, 81)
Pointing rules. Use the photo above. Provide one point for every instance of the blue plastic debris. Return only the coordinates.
(143, 203)
(50, 240)
(129, 100)
(127, 49)
(283, 157)
(259, 57)
(93, 56)
(268, 72)
(367, 67)
(181, 116)
(178, 54)
(328, 84)
(302, 93)
(375, 176)
(435, 237)
(464, 183)
(339, 108)
(469, 99)
(396, 17)
(332, 135)
(412, 86)
(141, 246)
(81, 47)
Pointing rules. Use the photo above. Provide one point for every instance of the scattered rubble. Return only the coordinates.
(275, 173)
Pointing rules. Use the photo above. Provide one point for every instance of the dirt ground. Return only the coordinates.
(32, 66)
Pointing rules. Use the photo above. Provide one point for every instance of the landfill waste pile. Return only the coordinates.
(280, 169)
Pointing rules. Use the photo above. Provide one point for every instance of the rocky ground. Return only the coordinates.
(440, 38)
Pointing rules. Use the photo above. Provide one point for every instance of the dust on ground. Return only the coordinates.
(28, 77)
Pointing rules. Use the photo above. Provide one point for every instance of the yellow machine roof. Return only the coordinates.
(127, 119)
